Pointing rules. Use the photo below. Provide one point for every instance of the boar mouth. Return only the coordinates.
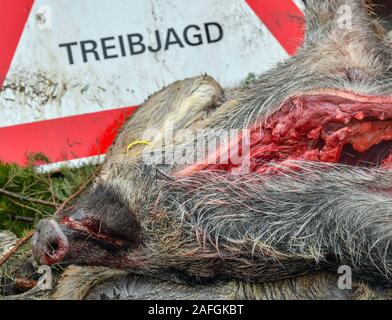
(92, 228)
(323, 126)
(65, 242)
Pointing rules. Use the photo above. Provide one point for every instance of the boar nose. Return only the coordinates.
(50, 244)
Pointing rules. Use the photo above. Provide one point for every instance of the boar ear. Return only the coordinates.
(348, 20)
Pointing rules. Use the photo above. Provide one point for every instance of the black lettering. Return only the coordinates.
(92, 49)
(197, 36)
(106, 48)
(208, 32)
(122, 46)
(172, 33)
(159, 42)
(192, 36)
(68, 46)
(133, 43)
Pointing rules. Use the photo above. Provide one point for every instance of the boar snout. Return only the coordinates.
(50, 244)
(101, 227)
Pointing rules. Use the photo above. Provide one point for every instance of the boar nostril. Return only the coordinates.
(56, 249)
(50, 244)
(53, 248)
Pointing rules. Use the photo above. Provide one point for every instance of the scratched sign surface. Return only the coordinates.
(71, 72)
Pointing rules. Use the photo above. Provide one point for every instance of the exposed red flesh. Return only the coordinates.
(90, 228)
(313, 127)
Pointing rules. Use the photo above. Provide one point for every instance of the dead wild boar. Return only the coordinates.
(303, 185)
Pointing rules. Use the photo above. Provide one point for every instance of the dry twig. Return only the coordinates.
(15, 248)
(28, 199)
(79, 191)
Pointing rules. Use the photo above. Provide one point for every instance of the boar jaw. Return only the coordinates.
(91, 228)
